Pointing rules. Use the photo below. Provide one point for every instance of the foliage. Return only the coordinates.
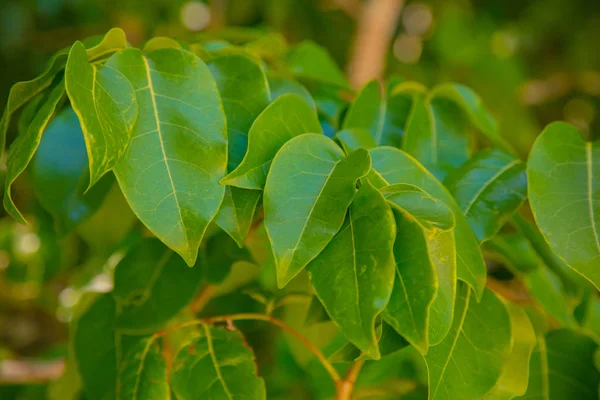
(382, 230)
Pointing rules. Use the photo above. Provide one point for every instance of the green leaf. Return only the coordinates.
(421, 307)
(563, 175)
(562, 367)
(285, 118)
(489, 189)
(23, 92)
(415, 203)
(299, 227)
(352, 277)
(161, 42)
(472, 105)
(515, 377)
(514, 251)
(280, 86)
(143, 373)
(400, 98)
(221, 253)
(436, 134)
(178, 152)
(106, 105)
(23, 148)
(367, 111)
(469, 361)
(216, 365)
(60, 174)
(152, 285)
(310, 61)
(352, 139)
(391, 166)
(245, 93)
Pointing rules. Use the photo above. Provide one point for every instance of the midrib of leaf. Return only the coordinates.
(588, 153)
(162, 148)
(312, 209)
(433, 128)
(354, 269)
(141, 366)
(410, 310)
(487, 183)
(213, 356)
(458, 332)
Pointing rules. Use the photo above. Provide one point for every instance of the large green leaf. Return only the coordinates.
(23, 92)
(391, 166)
(23, 148)
(352, 277)
(284, 119)
(489, 188)
(281, 86)
(178, 152)
(564, 174)
(60, 174)
(152, 285)
(310, 61)
(436, 134)
(471, 358)
(422, 302)
(562, 367)
(308, 190)
(515, 377)
(216, 365)
(367, 111)
(415, 203)
(106, 105)
(143, 373)
(245, 93)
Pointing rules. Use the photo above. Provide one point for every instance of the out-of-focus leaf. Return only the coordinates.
(367, 112)
(391, 166)
(489, 188)
(310, 61)
(281, 86)
(352, 139)
(216, 365)
(221, 253)
(299, 227)
(548, 290)
(354, 279)
(106, 105)
(563, 174)
(285, 118)
(170, 173)
(143, 373)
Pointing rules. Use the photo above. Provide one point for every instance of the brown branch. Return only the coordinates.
(27, 371)
(345, 386)
(376, 27)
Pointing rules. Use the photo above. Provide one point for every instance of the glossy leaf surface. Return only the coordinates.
(299, 227)
(170, 173)
(564, 174)
(367, 111)
(284, 119)
(352, 276)
(489, 188)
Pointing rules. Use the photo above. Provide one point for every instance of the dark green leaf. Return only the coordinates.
(310, 61)
(367, 112)
(548, 290)
(352, 139)
(178, 152)
(563, 175)
(216, 365)
(106, 105)
(152, 285)
(353, 276)
(422, 302)
(143, 373)
(469, 361)
(284, 119)
(307, 193)
(489, 188)
(221, 253)
(245, 93)
(416, 204)
(392, 166)
(23, 148)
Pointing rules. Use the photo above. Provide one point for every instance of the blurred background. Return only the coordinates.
(532, 62)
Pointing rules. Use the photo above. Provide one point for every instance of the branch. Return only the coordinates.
(376, 27)
(25, 371)
(345, 386)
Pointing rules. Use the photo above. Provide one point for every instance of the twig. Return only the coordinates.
(376, 26)
(345, 386)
